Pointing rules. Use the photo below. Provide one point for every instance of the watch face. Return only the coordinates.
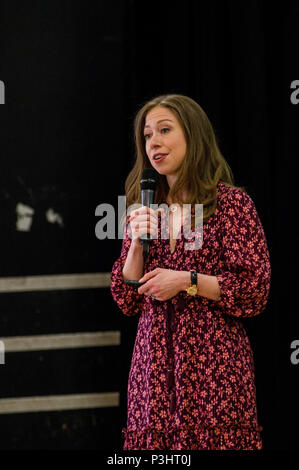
(192, 290)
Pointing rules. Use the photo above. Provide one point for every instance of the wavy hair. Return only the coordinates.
(202, 168)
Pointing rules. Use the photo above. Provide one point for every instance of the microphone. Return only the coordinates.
(148, 184)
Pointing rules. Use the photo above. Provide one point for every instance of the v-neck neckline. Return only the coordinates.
(178, 238)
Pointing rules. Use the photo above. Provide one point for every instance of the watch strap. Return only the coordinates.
(193, 275)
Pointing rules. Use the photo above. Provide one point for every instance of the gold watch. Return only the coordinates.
(192, 290)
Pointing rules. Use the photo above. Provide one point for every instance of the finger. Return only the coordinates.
(140, 211)
(134, 213)
(143, 289)
(148, 276)
(144, 210)
(150, 214)
(145, 219)
(144, 227)
(148, 210)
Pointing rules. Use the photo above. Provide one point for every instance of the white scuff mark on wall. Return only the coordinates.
(54, 217)
(2, 92)
(24, 217)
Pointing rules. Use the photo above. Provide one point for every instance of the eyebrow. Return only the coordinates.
(161, 120)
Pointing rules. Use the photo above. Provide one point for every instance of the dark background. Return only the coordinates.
(75, 74)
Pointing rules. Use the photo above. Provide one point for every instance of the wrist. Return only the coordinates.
(136, 245)
(185, 280)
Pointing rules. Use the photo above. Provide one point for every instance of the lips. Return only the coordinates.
(160, 157)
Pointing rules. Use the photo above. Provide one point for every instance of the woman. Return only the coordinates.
(191, 382)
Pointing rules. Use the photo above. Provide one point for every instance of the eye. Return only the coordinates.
(163, 131)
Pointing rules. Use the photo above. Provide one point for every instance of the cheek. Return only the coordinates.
(181, 148)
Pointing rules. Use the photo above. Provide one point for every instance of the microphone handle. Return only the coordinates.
(145, 247)
(147, 198)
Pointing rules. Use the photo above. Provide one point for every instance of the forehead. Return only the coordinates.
(158, 113)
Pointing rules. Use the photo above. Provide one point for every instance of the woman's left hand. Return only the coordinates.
(162, 284)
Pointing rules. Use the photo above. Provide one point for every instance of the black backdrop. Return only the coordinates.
(75, 73)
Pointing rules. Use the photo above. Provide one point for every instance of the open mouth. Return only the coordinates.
(160, 157)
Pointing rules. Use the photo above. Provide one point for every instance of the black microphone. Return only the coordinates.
(148, 184)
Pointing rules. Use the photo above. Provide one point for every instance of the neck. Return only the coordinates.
(171, 179)
(183, 198)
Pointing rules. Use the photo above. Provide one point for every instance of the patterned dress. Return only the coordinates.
(191, 383)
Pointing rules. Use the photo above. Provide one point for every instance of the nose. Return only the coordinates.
(155, 140)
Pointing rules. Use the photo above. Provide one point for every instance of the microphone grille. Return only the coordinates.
(148, 179)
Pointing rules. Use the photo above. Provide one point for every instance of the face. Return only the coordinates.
(165, 142)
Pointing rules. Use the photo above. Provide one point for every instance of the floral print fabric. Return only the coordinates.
(191, 383)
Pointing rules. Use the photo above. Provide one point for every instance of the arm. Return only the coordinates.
(130, 263)
(126, 297)
(133, 267)
(244, 278)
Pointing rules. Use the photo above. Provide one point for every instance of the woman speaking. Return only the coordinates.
(191, 382)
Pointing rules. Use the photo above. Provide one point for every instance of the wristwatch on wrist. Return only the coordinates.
(192, 290)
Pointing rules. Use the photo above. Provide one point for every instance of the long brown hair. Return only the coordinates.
(202, 168)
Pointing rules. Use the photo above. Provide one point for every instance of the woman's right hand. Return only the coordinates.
(143, 220)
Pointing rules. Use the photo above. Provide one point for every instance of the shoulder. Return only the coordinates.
(233, 198)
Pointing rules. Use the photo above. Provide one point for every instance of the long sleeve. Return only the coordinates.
(244, 280)
(126, 297)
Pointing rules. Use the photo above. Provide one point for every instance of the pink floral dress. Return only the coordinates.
(191, 383)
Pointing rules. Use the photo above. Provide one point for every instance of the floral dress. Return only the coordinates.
(191, 383)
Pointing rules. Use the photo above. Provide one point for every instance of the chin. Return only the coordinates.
(160, 171)
(163, 171)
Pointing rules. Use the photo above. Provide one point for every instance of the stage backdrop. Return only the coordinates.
(72, 76)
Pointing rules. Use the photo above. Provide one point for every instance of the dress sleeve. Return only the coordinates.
(126, 297)
(245, 277)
